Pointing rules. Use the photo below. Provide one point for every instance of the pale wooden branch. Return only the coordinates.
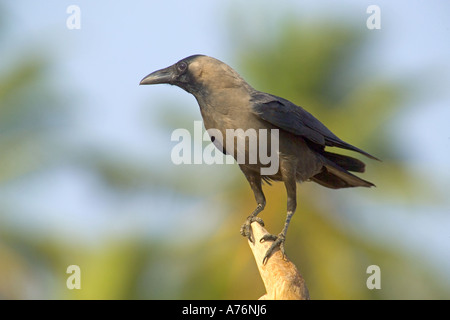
(280, 276)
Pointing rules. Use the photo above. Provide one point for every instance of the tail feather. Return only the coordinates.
(335, 175)
(345, 162)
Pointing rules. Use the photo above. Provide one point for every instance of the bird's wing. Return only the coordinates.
(294, 119)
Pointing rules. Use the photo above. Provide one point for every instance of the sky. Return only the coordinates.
(119, 40)
(119, 43)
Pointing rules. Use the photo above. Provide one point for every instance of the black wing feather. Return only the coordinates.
(292, 118)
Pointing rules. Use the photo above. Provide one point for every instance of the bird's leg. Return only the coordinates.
(245, 228)
(279, 240)
(255, 184)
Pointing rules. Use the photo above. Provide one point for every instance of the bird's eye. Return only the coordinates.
(182, 66)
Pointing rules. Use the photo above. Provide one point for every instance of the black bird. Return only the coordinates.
(227, 101)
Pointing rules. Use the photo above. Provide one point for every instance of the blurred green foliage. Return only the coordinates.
(316, 66)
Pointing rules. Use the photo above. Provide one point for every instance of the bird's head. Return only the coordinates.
(197, 74)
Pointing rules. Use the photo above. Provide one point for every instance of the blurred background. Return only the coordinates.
(86, 177)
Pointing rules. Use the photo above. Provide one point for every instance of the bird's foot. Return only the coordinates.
(278, 241)
(245, 228)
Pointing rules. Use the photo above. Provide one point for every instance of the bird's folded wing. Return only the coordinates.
(294, 119)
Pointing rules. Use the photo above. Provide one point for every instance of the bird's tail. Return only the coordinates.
(336, 175)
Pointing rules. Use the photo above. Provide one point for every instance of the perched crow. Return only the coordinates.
(228, 102)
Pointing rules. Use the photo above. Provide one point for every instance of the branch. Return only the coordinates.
(280, 276)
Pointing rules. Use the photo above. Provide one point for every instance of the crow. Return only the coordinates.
(227, 102)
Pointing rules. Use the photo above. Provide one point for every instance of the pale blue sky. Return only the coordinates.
(122, 41)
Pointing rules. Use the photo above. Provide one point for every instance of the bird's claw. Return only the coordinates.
(278, 241)
(245, 228)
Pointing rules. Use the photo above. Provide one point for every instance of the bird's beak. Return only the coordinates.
(161, 76)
